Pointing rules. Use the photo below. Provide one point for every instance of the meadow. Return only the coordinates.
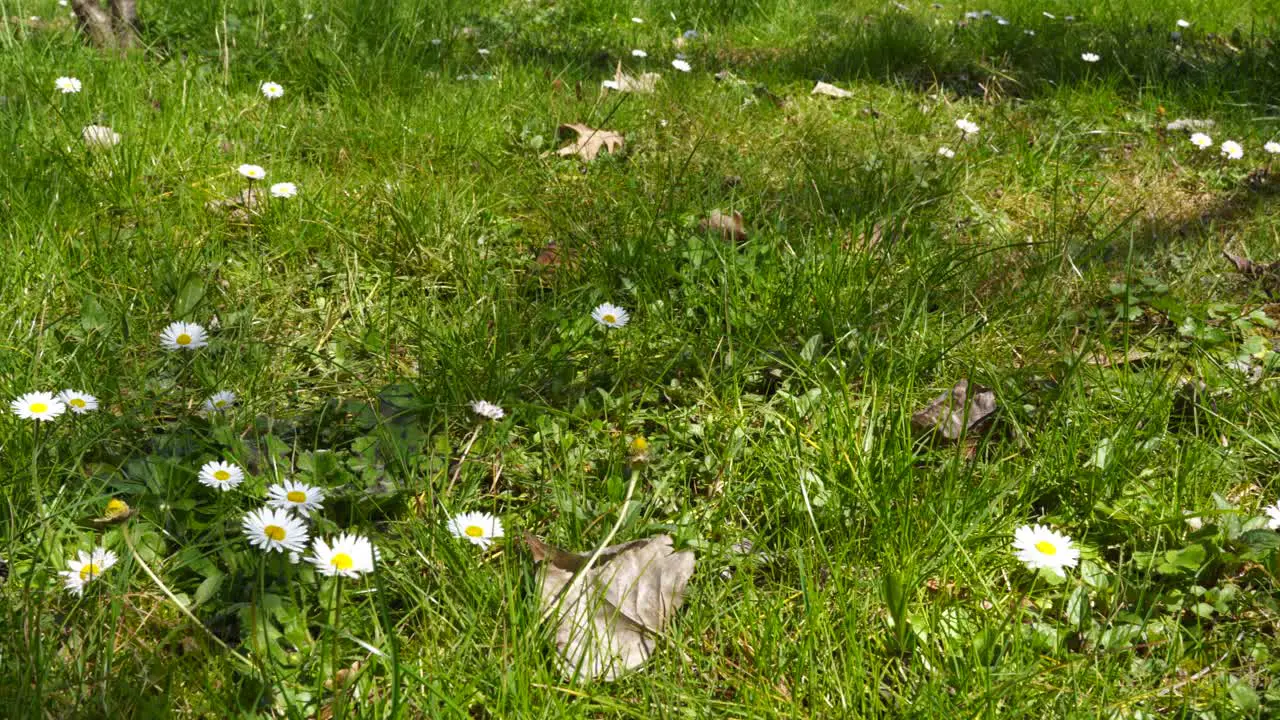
(957, 377)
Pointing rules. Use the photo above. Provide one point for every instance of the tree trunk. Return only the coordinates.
(116, 29)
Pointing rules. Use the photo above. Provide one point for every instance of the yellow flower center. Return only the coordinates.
(78, 402)
(275, 532)
(219, 403)
(342, 561)
(89, 572)
(296, 496)
(115, 507)
(474, 531)
(39, 407)
(639, 445)
(610, 318)
(1047, 548)
(183, 339)
(221, 475)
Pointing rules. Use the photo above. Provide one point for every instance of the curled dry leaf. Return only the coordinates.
(730, 227)
(606, 623)
(239, 206)
(1267, 273)
(590, 141)
(622, 82)
(955, 412)
(830, 91)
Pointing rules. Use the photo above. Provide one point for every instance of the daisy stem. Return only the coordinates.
(333, 630)
(466, 450)
(35, 465)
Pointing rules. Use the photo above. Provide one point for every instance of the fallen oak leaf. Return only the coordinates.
(957, 411)
(606, 623)
(830, 90)
(590, 141)
(730, 227)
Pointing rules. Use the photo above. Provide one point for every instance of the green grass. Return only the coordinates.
(775, 379)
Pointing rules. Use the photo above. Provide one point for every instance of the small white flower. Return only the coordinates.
(1273, 515)
(219, 401)
(1049, 15)
(1001, 20)
(1183, 24)
(486, 409)
(1272, 147)
(1032, 33)
(639, 53)
(100, 136)
(946, 152)
(86, 568)
(476, 528)
(253, 172)
(1090, 57)
(681, 65)
(347, 556)
(284, 190)
(967, 126)
(1194, 522)
(183, 336)
(221, 475)
(1039, 547)
(298, 497)
(483, 51)
(638, 21)
(1231, 150)
(78, 402)
(1201, 140)
(610, 315)
(274, 529)
(38, 406)
(67, 85)
(972, 15)
(272, 90)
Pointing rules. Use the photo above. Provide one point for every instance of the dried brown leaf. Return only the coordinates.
(622, 82)
(830, 90)
(590, 141)
(607, 623)
(730, 227)
(955, 412)
(239, 206)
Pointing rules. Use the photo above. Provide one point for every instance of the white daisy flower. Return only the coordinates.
(67, 85)
(1001, 20)
(1090, 57)
(639, 53)
(274, 529)
(183, 336)
(100, 136)
(610, 315)
(638, 21)
(967, 126)
(219, 401)
(1183, 24)
(486, 409)
(272, 90)
(972, 15)
(1273, 516)
(476, 528)
(1272, 147)
(253, 172)
(78, 402)
(284, 190)
(221, 475)
(1039, 547)
(1201, 140)
(1032, 33)
(38, 406)
(483, 51)
(86, 568)
(1232, 150)
(299, 497)
(681, 65)
(946, 152)
(347, 555)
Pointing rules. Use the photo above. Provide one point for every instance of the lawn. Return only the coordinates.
(407, 315)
